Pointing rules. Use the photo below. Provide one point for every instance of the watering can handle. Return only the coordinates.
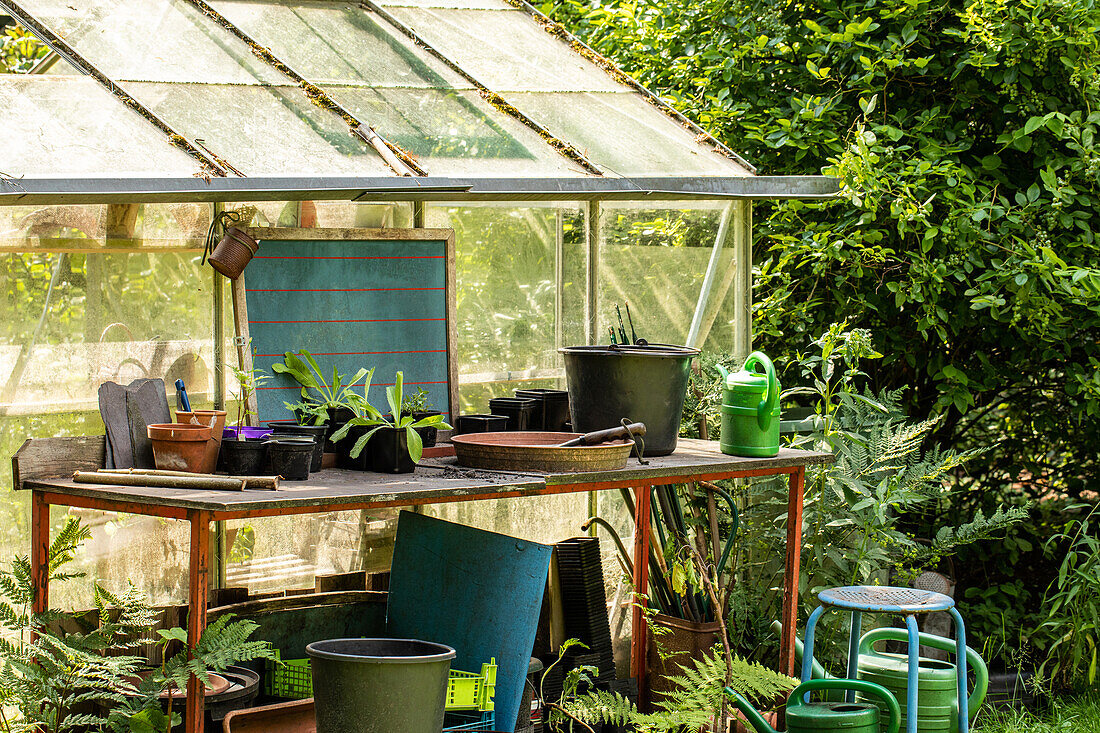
(973, 660)
(767, 405)
(797, 697)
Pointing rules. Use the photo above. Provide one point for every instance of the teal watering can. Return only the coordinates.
(938, 699)
(750, 409)
(828, 717)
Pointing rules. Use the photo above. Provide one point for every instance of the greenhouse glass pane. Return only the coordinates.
(71, 126)
(153, 40)
(262, 130)
(457, 4)
(455, 133)
(625, 134)
(506, 50)
(337, 42)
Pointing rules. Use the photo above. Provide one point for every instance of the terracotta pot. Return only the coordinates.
(178, 447)
(215, 419)
(685, 641)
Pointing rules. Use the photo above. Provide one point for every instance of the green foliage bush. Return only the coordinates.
(964, 133)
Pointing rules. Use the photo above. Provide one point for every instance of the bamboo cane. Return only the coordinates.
(250, 482)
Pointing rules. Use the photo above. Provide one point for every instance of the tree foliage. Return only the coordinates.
(964, 134)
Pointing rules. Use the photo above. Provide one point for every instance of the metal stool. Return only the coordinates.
(903, 601)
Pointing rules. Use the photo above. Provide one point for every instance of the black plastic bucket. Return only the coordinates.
(645, 384)
(379, 685)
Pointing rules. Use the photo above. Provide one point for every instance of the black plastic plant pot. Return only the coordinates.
(645, 384)
(290, 456)
(427, 434)
(379, 685)
(317, 432)
(344, 447)
(480, 424)
(520, 411)
(552, 412)
(389, 451)
(246, 457)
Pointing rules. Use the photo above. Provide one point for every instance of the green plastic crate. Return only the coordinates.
(292, 679)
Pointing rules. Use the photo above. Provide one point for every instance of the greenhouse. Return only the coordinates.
(558, 195)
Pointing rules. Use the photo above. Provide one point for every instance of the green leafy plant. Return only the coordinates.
(1070, 634)
(57, 666)
(247, 383)
(321, 396)
(417, 402)
(20, 51)
(368, 416)
(695, 702)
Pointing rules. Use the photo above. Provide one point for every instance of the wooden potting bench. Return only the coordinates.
(44, 467)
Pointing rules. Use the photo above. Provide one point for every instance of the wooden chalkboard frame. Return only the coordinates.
(240, 307)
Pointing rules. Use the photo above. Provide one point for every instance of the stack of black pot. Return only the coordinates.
(584, 605)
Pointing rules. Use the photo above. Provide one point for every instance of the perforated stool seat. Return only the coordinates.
(907, 602)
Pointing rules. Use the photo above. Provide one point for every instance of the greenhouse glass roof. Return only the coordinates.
(223, 99)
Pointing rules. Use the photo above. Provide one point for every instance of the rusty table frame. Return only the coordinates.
(704, 463)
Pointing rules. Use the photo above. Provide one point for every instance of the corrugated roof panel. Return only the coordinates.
(337, 42)
(506, 50)
(61, 126)
(153, 40)
(455, 133)
(625, 134)
(264, 131)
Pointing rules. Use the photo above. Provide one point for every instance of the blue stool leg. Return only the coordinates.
(808, 647)
(960, 664)
(911, 709)
(853, 652)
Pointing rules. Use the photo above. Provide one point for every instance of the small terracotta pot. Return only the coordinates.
(233, 253)
(215, 419)
(179, 447)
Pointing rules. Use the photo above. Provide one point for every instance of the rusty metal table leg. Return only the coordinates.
(40, 550)
(797, 484)
(638, 629)
(198, 589)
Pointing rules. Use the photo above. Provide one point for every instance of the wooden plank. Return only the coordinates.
(49, 457)
(638, 631)
(243, 341)
(795, 495)
(197, 594)
(40, 552)
(353, 233)
(452, 330)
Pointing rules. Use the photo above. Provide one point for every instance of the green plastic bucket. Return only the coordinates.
(379, 685)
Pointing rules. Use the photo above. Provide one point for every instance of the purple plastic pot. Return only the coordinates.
(231, 433)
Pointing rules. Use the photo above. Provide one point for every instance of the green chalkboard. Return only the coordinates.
(381, 298)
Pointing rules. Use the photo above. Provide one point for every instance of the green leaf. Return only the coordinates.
(416, 445)
(173, 634)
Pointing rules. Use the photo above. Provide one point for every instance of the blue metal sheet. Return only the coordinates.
(477, 591)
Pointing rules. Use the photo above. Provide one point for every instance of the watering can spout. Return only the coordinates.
(752, 717)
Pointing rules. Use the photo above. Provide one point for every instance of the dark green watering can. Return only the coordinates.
(827, 717)
(750, 409)
(938, 697)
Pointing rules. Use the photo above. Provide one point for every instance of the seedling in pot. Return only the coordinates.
(370, 417)
(417, 402)
(325, 397)
(247, 383)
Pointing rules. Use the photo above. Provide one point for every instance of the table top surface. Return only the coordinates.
(438, 480)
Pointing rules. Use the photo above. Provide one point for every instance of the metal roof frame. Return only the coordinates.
(14, 192)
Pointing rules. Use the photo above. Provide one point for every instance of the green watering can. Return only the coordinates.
(936, 681)
(750, 409)
(938, 700)
(824, 717)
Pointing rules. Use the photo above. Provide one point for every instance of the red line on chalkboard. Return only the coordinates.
(333, 290)
(406, 257)
(361, 353)
(359, 320)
